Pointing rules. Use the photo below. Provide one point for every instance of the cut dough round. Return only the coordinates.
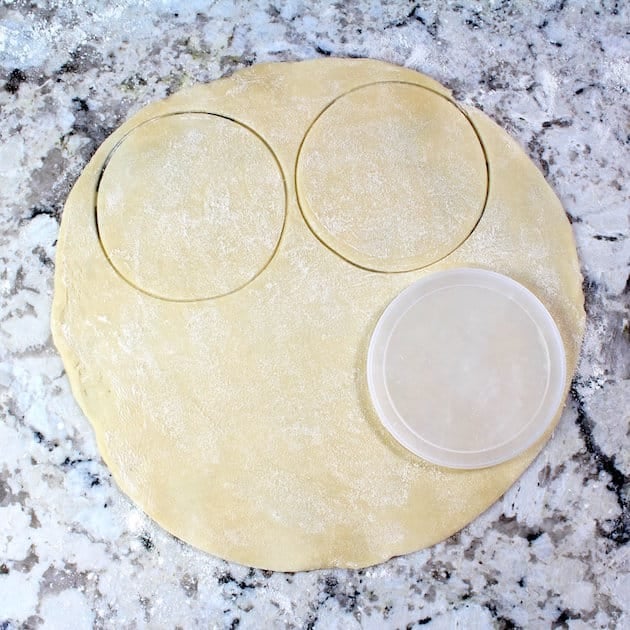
(392, 176)
(243, 424)
(190, 206)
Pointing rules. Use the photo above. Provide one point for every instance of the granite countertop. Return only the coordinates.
(74, 552)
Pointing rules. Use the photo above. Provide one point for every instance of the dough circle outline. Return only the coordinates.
(240, 286)
(336, 246)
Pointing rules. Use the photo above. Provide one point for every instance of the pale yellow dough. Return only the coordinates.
(241, 423)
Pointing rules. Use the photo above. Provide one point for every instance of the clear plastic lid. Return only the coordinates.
(466, 368)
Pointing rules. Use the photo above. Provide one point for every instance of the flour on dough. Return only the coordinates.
(242, 423)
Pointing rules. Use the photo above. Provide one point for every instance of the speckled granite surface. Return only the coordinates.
(74, 553)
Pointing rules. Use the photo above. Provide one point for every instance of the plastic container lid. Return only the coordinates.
(466, 368)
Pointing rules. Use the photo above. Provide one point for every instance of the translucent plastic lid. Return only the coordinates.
(466, 368)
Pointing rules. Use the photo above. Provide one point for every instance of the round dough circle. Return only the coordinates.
(190, 206)
(243, 424)
(413, 162)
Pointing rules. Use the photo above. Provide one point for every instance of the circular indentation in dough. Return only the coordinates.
(466, 368)
(190, 206)
(392, 176)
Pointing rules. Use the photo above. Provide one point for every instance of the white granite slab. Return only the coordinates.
(74, 552)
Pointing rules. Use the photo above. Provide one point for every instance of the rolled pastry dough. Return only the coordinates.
(222, 262)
